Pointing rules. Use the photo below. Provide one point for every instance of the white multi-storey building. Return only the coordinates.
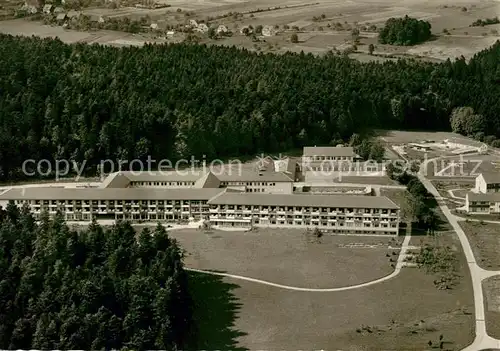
(335, 213)
(222, 207)
(237, 198)
(488, 203)
(488, 183)
(116, 204)
(248, 181)
(485, 197)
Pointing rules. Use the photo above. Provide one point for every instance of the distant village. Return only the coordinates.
(87, 19)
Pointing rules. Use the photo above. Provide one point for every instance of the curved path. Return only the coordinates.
(482, 340)
(464, 219)
(397, 270)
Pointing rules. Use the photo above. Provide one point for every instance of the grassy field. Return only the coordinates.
(402, 314)
(485, 242)
(289, 257)
(491, 288)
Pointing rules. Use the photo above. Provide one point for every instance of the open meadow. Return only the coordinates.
(290, 257)
(491, 287)
(485, 242)
(403, 313)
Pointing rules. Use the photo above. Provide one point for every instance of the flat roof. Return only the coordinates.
(465, 142)
(252, 176)
(491, 177)
(109, 194)
(344, 201)
(489, 197)
(329, 151)
(170, 176)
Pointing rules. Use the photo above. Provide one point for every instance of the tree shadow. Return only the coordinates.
(215, 312)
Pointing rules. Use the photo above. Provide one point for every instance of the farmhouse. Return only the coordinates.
(47, 8)
(202, 28)
(246, 30)
(193, 23)
(61, 17)
(32, 6)
(482, 203)
(488, 183)
(268, 31)
(222, 29)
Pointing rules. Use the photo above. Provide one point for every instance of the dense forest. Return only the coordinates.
(90, 290)
(404, 31)
(89, 102)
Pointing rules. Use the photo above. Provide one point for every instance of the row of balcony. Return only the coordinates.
(295, 211)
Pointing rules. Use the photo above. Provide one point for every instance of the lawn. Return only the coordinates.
(289, 257)
(485, 241)
(491, 288)
(401, 314)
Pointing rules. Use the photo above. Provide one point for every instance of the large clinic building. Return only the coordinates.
(243, 199)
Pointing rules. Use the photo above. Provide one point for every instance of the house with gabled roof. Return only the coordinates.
(269, 31)
(32, 6)
(61, 17)
(47, 8)
(202, 28)
(488, 182)
(222, 29)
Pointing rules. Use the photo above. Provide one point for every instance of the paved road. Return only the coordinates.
(462, 219)
(452, 194)
(482, 339)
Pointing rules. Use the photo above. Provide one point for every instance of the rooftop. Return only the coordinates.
(489, 197)
(344, 201)
(121, 179)
(337, 151)
(465, 142)
(171, 176)
(491, 177)
(109, 194)
(250, 176)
